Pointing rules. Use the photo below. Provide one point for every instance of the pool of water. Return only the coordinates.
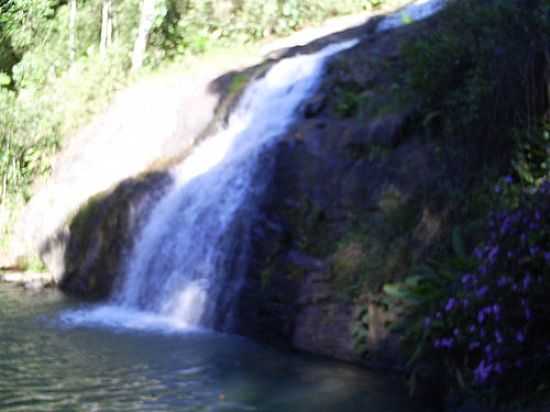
(49, 363)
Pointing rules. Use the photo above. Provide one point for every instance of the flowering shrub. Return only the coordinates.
(492, 333)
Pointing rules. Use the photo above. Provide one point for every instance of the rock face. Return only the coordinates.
(351, 206)
(103, 232)
(355, 200)
(97, 159)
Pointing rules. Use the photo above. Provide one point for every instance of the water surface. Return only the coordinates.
(48, 363)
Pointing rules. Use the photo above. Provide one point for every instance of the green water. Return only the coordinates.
(49, 365)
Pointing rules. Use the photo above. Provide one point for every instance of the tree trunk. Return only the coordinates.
(145, 24)
(106, 27)
(72, 30)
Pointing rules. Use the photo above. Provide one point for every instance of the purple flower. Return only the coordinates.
(447, 343)
(478, 253)
(498, 337)
(493, 254)
(520, 337)
(482, 291)
(527, 281)
(509, 180)
(450, 304)
(444, 343)
(482, 372)
(472, 328)
(547, 257)
(498, 368)
(473, 345)
(480, 316)
(503, 281)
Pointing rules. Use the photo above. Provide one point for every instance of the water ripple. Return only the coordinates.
(51, 365)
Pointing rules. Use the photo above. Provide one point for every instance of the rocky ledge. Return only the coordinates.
(29, 280)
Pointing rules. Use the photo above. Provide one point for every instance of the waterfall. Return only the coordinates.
(187, 264)
(415, 11)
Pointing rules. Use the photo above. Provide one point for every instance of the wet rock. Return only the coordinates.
(125, 140)
(315, 105)
(29, 280)
(350, 176)
(307, 262)
(388, 130)
(101, 234)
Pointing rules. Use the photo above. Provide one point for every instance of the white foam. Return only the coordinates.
(117, 317)
(418, 10)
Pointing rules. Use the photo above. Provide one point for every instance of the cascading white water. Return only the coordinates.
(416, 10)
(188, 252)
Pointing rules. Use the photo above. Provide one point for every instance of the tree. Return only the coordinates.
(147, 18)
(106, 27)
(72, 29)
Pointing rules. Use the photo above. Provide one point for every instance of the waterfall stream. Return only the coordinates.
(416, 10)
(185, 267)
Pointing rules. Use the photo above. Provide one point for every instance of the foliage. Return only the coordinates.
(532, 162)
(349, 103)
(196, 26)
(486, 323)
(423, 290)
(480, 75)
(478, 322)
(33, 264)
(28, 139)
(376, 3)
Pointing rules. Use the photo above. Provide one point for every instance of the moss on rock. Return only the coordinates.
(102, 233)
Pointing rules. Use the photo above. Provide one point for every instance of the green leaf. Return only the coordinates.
(394, 290)
(458, 243)
(5, 80)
